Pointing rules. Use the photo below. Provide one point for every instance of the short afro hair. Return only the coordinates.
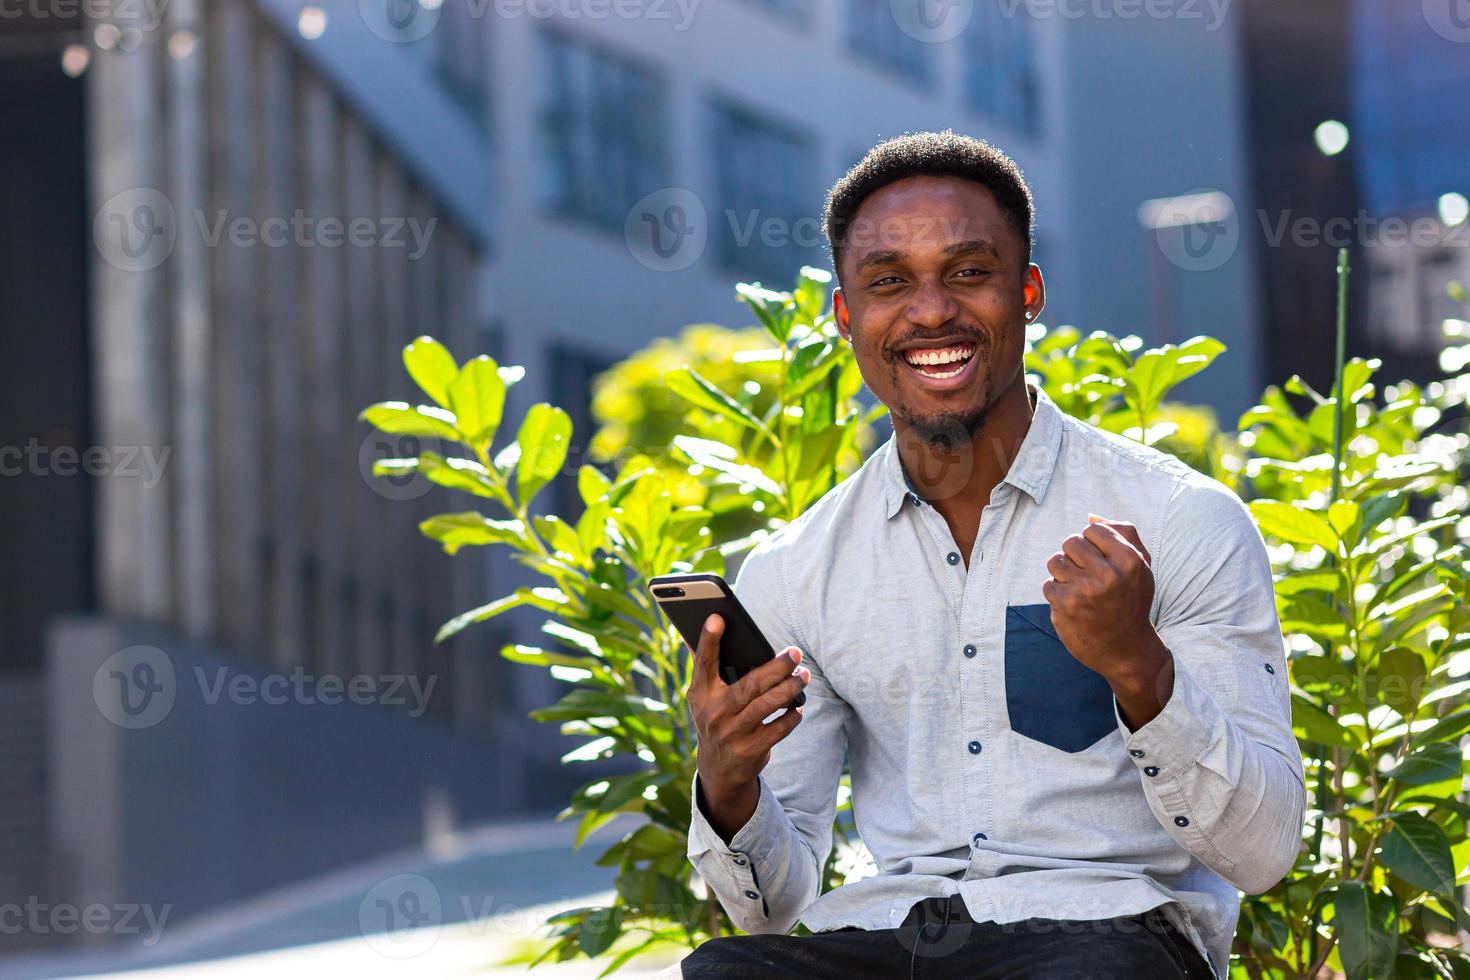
(943, 154)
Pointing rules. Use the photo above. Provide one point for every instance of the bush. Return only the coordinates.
(1364, 506)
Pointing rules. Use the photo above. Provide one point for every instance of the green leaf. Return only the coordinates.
(1429, 765)
(1366, 936)
(477, 395)
(720, 457)
(478, 615)
(1196, 354)
(403, 419)
(1312, 724)
(600, 929)
(1295, 524)
(592, 484)
(770, 308)
(1451, 726)
(1418, 851)
(690, 385)
(1399, 679)
(455, 531)
(431, 366)
(543, 440)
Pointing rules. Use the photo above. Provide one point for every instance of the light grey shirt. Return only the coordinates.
(987, 761)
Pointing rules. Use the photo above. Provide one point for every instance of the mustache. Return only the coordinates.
(979, 338)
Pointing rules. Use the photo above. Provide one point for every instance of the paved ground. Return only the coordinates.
(457, 912)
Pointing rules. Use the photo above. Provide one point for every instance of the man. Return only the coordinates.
(1050, 656)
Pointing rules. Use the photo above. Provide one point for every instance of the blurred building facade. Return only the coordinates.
(592, 182)
(1411, 131)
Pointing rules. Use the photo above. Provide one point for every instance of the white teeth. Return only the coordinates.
(944, 356)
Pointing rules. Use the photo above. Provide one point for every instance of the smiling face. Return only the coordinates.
(934, 296)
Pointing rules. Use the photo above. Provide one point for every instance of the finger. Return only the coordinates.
(1081, 551)
(778, 729)
(777, 697)
(1118, 549)
(1127, 530)
(707, 656)
(766, 676)
(1060, 567)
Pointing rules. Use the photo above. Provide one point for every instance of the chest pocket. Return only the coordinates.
(1050, 696)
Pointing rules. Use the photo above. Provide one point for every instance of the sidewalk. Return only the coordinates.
(456, 911)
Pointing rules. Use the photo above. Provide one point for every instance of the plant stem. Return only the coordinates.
(1338, 362)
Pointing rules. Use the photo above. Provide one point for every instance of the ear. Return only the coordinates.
(841, 314)
(1033, 292)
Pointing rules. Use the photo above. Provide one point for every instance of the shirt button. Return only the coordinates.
(1181, 821)
(914, 499)
(752, 895)
(974, 748)
(740, 861)
(979, 837)
(953, 557)
(970, 649)
(1150, 770)
(1270, 669)
(1136, 753)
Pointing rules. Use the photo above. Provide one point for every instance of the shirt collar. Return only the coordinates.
(1030, 471)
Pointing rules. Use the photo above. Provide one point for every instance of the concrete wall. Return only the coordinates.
(208, 793)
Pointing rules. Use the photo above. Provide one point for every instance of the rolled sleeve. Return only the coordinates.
(1219, 764)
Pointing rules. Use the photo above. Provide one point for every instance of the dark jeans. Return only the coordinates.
(939, 940)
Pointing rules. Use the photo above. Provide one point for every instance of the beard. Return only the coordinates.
(949, 431)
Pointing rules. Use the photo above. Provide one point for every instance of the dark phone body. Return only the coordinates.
(742, 646)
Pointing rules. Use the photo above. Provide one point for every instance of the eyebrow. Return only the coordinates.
(966, 247)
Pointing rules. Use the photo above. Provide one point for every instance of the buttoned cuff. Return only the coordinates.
(1175, 738)
(1167, 750)
(751, 848)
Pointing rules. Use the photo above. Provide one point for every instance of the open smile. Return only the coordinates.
(942, 368)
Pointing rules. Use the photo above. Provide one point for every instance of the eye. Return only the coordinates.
(884, 281)
(971, 272)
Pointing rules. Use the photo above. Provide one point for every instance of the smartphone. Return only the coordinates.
(688, 600)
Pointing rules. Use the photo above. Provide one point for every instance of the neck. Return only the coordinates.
(957, 477)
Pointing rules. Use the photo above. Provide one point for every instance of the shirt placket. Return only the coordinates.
(982, 676)
(975, 664)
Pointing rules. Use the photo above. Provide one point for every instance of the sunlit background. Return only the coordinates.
(225, 733)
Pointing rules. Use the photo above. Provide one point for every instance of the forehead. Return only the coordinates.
(926, 213)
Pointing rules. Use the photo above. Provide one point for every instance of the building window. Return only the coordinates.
(1001, 79)
(796, 11)
(459, 56)
(874, 33)
(574, 369)
(767, 225)
(604, 129)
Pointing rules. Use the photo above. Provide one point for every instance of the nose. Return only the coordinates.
(931, 306)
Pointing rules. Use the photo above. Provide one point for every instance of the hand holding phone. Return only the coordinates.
(735, 741)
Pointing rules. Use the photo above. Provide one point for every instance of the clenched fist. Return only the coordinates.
(1101, 589)
(735, 741)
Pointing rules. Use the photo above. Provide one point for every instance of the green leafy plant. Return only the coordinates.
(1361, 497)
(767, 458)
